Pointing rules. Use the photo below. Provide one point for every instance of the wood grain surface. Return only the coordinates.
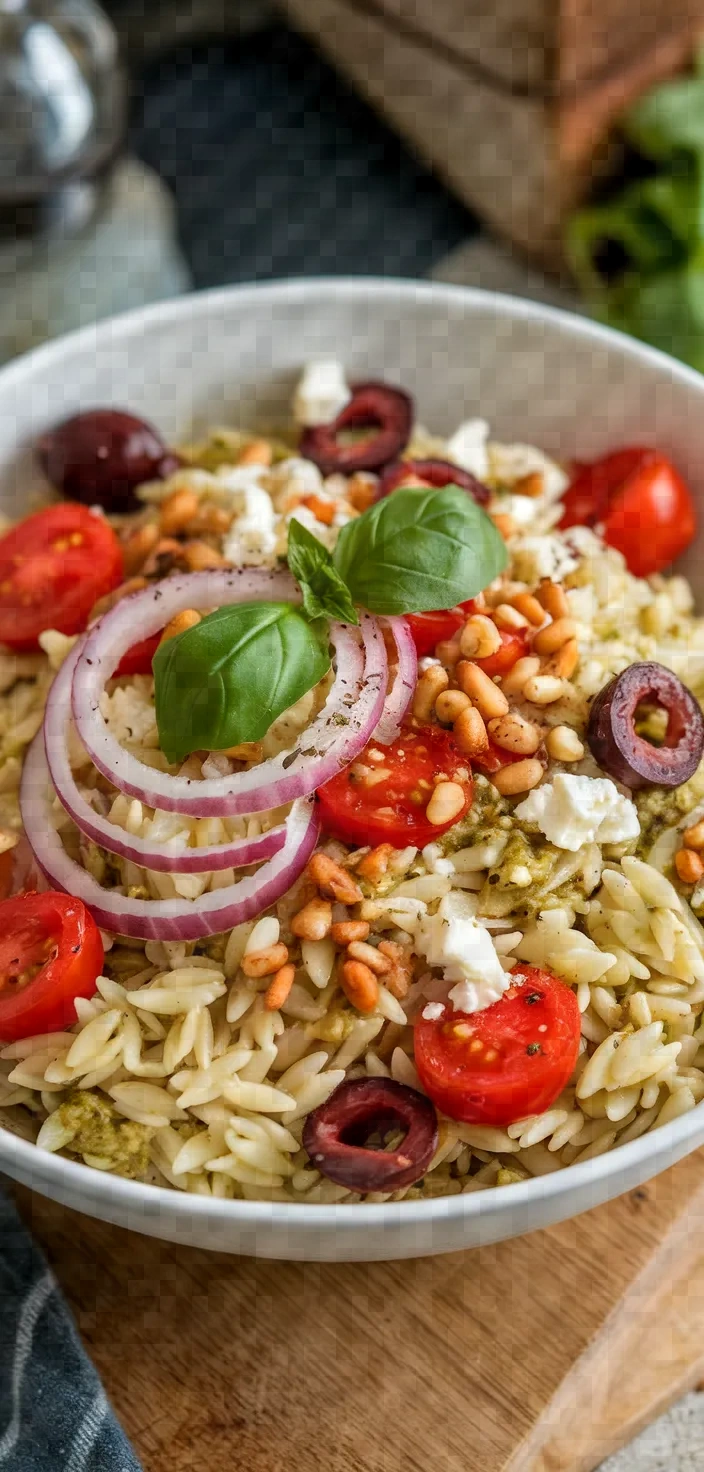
(538, 1355)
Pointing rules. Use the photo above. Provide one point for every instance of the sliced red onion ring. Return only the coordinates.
(336, 736)
(175, 919)
(403, 684)
(161, 857)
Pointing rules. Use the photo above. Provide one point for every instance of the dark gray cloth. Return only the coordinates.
(54, 1415)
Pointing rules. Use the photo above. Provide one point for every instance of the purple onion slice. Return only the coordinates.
(628, 757)
(385, 411)
(436, 473)
(335, 1135)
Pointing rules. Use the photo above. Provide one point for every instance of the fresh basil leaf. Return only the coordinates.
(226, 680)
(323, 590)
(419, 549)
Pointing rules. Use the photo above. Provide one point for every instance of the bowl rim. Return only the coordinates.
(148, 1201)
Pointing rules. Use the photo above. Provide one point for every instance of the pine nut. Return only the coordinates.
(488, 698)
(375, 864)
(314, 921)
(543, 689)
(332, 879)
(263, 963)
(323, 511)
(360, 951)
(508, 617)
(182, 621)
(553, 598)
(694, 837)
(480, 637)
(344, 931)
(532, 484)
(258, 452)
(278, 989)
(398, 979)
(529, 606)
(689, 866)
(564, 745)
(429, 686)
(211, 519)
(361, 491)
(513, 733)
(163, 557)
(505, 524)
(552, 638)
(469, 732)
(176, 511)
(448, 651)
(518, 777)
(136, 549)
(198, 556)
(360, 986)
(564, 662)
(446, 803)
(449, 705)
(523, 669)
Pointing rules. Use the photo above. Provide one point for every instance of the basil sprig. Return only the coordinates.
(227, 679)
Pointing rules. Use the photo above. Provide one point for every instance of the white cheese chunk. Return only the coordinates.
(251, 539)
(547, 556)
(321, 393)
(433, 1011)
(453, 940)
(467, 447)
(573, 810)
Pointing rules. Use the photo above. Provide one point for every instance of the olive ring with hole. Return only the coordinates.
(437, 473)
(387, 413)
(627, 756)
(336, 1133)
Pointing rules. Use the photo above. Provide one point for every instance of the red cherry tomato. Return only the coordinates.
(138, 659)
(494, 758)
(528, 1043)
(514, 644)
(50, 953)
(53, 568)
(645, 507)
(429, 629)
(358, 808)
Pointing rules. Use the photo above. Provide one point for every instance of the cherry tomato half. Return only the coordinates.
(138, 659)
(360, 806)
(511, 1060)
(53, 568)
(428, 629)
(514, 644)
(494, 758)
(50, 953)
(645, 507)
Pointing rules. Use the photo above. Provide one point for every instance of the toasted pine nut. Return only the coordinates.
(263, 963)
(136, 549)
(530, 608)
(508, 617)
(513, 733)
(513, 682)
(345, 931)
(689, 866)
(446, 803)
(211, 519)
(244, 751)
(278, 989)
(163, 557)
(448, 651)
(431, 682)
(449, 704)
(375, 864)
(564, 745)
(505, 524)
(398, 979)
(198, 556)
(532, 484)
(543, 689)
(488, 698)
(333, 880)
(257, 452)
(133, 585)
(469, 732)
(518, 777)
(176, 511)
(479, 638)
(553, 598)
(554, 635)
(564, 662)
(314, 921)
(694, 837)
(361, 492)
(360, 986)
(323, 511)
(182, 621)
(358, 950)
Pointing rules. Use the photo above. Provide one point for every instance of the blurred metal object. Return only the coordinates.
(62, 114)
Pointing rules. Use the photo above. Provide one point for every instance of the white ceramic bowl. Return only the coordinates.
(232, 357)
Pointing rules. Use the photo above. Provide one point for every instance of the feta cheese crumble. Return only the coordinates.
(467, 447)
(433, 1011)
(572, 810)
(251, 539)
(453, 940)
(321, 394)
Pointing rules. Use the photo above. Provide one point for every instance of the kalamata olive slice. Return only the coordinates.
(386, 412)
(336, 1133)
(628, 757)
(101, 456)
(437, 473)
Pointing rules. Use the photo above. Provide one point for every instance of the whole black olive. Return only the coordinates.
(101, 456)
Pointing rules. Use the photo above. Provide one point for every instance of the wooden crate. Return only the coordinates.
(521, 157)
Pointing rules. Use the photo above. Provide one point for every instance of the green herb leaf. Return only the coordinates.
(228, 678)
(321, 585)
(419, 549)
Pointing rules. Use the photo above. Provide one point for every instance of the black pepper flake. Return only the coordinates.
(534, 997)
(494, 878)
(534, 1048)
(289, 760)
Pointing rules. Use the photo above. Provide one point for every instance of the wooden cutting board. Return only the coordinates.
(542, 1354)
